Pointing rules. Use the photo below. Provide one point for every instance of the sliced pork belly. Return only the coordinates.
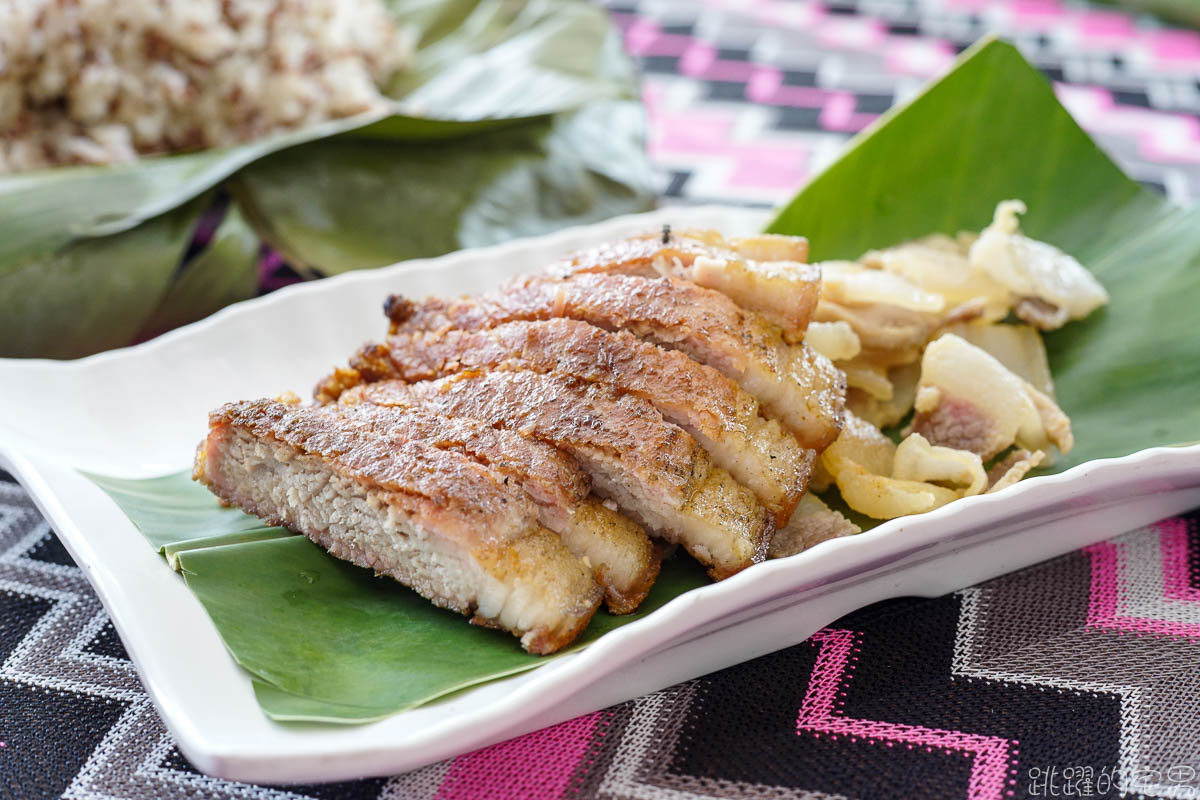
(723, 418)
(764, 273)
(795, 383)
(459, 533)
(653, 470)
(622, 557)
(812, 523)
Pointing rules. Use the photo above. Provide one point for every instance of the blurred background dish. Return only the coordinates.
(97, 83)
(348, 138)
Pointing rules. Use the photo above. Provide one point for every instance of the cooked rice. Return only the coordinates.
(99, 81)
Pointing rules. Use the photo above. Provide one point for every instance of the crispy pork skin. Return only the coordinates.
(653, 470)
(434, 519)
(795, 383)
(764, 273)
(722, 417)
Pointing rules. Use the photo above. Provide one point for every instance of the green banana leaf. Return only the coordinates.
(172, 511)
(223, 273)
(425, 199)
(327, 640)
(61, 305)
(300, 622)
(491, 76)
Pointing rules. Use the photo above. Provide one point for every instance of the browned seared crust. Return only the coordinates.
(763, 273)
(550, 477)
(798, 385)
(370, 363)
(621, 555)
(397, 308)
(715, 410)
(480, 505)
(654, 470)
(332, 385)
(456, 531)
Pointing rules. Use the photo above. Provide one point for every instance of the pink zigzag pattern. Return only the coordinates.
(1106, 577)
(1161, 136)
(764, 84)
(536, 766)
(1174, 533)
(819, 714)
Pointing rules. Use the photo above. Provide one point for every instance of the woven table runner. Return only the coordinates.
(1079, 677)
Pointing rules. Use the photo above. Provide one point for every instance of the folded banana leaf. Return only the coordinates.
(516, 181)
(502, 97)
(326, 641)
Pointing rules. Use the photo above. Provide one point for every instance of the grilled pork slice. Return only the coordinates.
(812, 523)
(764, 273)
(653, 470)
(723, 418)
(433, 519)
(622, 557)
(795, 383)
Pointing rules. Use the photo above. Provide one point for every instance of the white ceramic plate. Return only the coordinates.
(139, 412)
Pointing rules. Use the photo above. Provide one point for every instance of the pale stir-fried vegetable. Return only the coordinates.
(1051, 286)
(925, 331)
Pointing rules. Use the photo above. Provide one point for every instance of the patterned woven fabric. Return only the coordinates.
(748, 98)
(1079, 677)
(1081, 674)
